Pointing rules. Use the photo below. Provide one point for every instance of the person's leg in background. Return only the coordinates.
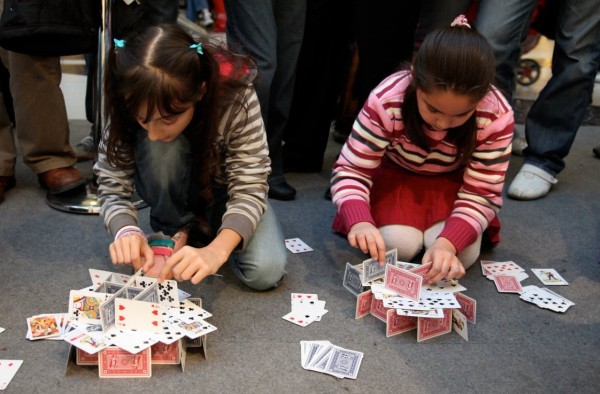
(557, 113)
(8, 149)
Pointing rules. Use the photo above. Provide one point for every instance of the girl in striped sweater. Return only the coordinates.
(186, 129)
(425, 164)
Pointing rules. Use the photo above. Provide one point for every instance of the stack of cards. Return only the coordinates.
(322, 356)
(507, 275)
(404, 303)
(306, 308)
(115, 323)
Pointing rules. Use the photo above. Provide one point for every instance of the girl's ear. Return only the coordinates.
(202, 91)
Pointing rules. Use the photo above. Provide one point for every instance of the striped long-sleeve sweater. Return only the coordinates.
(245, 165)
(379, 131)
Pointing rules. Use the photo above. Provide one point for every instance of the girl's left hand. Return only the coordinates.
(193, 264)
(445, 263)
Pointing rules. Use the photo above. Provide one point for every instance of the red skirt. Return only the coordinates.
(399, 196)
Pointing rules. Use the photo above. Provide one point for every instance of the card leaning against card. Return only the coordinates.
(118, 363)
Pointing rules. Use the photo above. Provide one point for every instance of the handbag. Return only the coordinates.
(50, 27)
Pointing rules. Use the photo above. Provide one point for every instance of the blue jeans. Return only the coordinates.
(193, 7)
(271, 32)
(164, 180)
(557, 113)
(503, 23)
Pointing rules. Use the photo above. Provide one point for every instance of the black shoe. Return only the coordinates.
(328, 194)
(596, 151)
(281, 191)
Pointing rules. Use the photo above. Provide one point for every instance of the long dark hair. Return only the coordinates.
(157, 68)
(456, 59)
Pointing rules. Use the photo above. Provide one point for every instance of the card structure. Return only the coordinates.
(305, 309)
(8, 370)
(324, 357)
(296, 245)
(508, 284)
(118, 363)
(549, 276)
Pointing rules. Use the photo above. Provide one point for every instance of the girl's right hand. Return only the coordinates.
(131, 249)
(368, 238)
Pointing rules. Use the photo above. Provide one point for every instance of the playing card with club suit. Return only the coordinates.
(427, 300)
(189, 312)
(8, 370)
(168, 294)
(545, 298)
(118, 363)
(162, 353)
(428, 328)
(170, 333)
(397, 324)
(444, 286)
(378, 310)
(507, 284)
(459, 324)
(363, 304)
(149, 294)
(468, 307)
(296, 245)
(138, 315)
(90, 344)
(353, 279)
(432, 313)
(403, 282)
(84, 306)
(299, 318)
(133, 341)
(196, 329)
(422, 270)
(549, 276)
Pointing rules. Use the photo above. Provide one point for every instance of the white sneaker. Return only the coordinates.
(531, 183)
(205, 18)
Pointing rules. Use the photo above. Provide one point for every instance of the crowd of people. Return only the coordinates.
(207, 132)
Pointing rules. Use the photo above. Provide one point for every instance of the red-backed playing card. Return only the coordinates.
(84, 358)
(422, 270)
(396, 324)
(403, 282)
(363, 304)
(468, 307)
(378, 310)
(428, 328)
(118, 363)
(508, 284)
(165, 354)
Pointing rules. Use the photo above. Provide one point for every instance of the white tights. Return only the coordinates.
(409, 241)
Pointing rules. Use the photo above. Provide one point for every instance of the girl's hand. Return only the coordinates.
(368, 238)
(192, 264)
(445, 263)
(131, 249)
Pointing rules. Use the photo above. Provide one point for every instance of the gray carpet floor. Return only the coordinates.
(514, 347)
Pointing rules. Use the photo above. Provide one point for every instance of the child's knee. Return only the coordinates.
(264, 276)
(407, 247)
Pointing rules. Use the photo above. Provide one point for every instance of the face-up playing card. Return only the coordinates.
(296, 245)
(432, 313)
(445, 286)
(363, 304)
(86, 342)
(428, 328)
(133, 341)
(196, 329)
(98, 276)
(43, 326)
(507, 284)
(119, 278)
(353, 279)
(189, 312)
(549, 276)
(138, 315)
(500, 267)
(459, 324)
(427, 300)
(397, 324)
(468, 307)
(301, 319)
(403, 282)
(118, 363)
(84, 306)
(8, 369)
(545, 298)
(168, 294)
(170, 333)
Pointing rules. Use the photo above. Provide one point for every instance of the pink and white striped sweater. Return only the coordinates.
(379, 131)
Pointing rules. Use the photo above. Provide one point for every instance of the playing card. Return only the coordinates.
(406, 266)
(133, 341)
(85, 358)
(549, 276)
(98, 276)
(427, 300)
(459, 324)
(300, 319)
(162, 353)
(428, 328)
(545, 298)
(8, 369)
(373, 270)
(445, 286)
(90, 344)
(397, 324)
(168, 294)
(107, 310)
(119, 278)
(1, 330)
(84, 306)
(118, 363)
(43, 326)
(403, 282)
(353, 279)
(196, 329)
(189, 312)
(431, 313)
(149, 294)
(468, 307)
(422, 270)
(296, 245)
(507, 284)
(170, 333)
(344, 363)
(500, 267)
(138, 315)
(378, 310)
(363, 304)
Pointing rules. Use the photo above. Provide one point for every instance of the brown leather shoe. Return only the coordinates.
(6, 183)
(61, 180)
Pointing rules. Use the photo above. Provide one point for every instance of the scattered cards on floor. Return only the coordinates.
(296, 245)
(324, 357)
(508, 275)
(8, 369)
(120, 320)
(394, 293)
(305, 309)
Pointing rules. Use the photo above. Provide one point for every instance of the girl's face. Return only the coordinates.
(443, 109)
(166, 128)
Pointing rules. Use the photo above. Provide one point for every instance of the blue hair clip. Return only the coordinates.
(119, 43)
(198, 48)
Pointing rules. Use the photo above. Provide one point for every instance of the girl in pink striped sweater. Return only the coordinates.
(424, 167)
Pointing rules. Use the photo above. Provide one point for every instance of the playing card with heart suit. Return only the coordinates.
(138, 315)
(118, 363)
(8, 370)
(296, 245)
